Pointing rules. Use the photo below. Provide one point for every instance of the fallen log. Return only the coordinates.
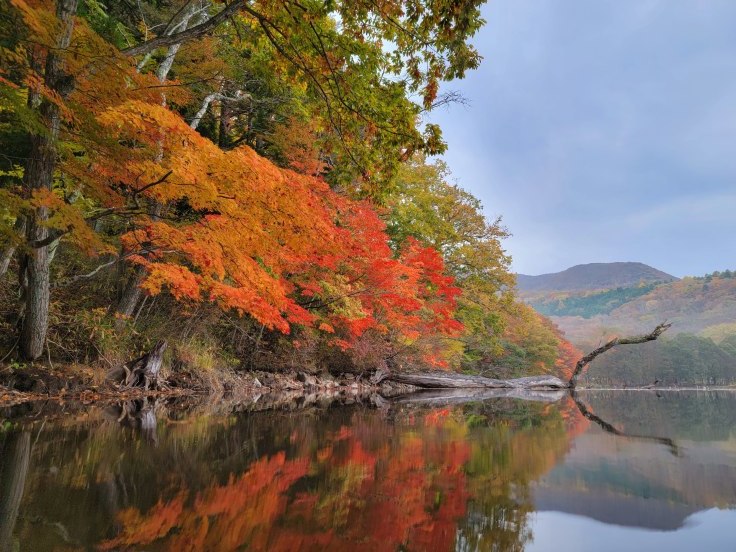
(448, 380)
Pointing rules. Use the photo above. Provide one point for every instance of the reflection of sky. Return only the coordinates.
(710, 530)
(604, 131)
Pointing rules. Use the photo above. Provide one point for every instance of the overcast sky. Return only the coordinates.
(604, 130)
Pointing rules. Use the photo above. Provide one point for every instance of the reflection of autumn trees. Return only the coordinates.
(416, 484)
(15, 450)
(515, 443)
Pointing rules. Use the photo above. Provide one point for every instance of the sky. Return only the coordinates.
(603, 130)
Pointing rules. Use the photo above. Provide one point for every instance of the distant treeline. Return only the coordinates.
(682, 361)
(726, 274)
(591, 304)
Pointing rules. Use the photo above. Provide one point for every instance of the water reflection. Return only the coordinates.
(485, 475)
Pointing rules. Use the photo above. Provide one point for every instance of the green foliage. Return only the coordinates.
(589, 304)
(684, 360)
(726, 275)
(426, 207)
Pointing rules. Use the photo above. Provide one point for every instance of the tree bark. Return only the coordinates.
(448, 380)
(143, 371)
(7, 255)
(130, 297)
(131, 293)
(14, 461)
(197, 31)
(39, 173)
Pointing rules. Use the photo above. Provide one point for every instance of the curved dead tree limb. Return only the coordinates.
(587, 359)
(609, 428)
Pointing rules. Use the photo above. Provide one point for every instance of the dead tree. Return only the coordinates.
(587, 359)
(144, 371)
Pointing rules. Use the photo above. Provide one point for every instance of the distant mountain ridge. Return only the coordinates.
(593, 276)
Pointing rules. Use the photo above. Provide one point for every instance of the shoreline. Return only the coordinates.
(249, 388)
(281, 390)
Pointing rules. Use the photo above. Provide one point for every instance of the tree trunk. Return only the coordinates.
(143, 371)
(448, 380)
(7, 255)
(39, 175)
(635, 340)
(131, 293)
(14, 461)
(130, 297)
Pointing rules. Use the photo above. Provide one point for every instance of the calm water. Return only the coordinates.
(501, 474)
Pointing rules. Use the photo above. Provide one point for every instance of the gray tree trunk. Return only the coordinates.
(7, 255)
(39, 175)
(14, 461)
(131, 292)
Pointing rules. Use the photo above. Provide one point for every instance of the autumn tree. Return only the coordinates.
(426, 207)
(195, 220)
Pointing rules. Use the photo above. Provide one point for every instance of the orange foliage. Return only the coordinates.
(228, 227)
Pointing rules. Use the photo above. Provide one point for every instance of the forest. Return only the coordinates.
(252, 182)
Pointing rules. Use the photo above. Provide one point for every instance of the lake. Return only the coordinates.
(499, 474)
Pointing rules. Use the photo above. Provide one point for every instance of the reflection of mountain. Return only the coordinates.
(635, 483)
(614, 509)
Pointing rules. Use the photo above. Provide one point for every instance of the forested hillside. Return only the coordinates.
(250, 182)
(693, 305)
(698, 349)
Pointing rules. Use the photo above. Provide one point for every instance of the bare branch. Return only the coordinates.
(215, 96)
(587, 359)
(192, 33)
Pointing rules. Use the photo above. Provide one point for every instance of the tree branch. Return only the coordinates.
(587, 359)
(191, 33)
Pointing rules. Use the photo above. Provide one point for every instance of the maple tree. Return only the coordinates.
(192, 219)
(237, 156)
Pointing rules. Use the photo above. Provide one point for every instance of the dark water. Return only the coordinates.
(502, 474)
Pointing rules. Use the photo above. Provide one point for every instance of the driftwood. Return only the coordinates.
(144, 371)
(448, 380)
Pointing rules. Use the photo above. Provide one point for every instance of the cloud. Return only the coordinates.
(600, 130)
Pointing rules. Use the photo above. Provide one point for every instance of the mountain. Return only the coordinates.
(703, 306)
(699, 349)
(593, 276)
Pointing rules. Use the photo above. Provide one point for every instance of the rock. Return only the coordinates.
(307, 379)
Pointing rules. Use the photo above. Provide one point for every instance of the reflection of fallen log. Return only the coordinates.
(442, 397)
(610, 428)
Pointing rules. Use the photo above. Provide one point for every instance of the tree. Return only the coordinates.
(424, 206)
(198, 221)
